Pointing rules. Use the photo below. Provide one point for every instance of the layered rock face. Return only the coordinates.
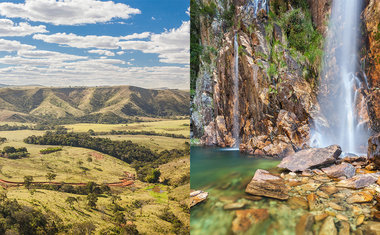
(277, 102)
(371, 19)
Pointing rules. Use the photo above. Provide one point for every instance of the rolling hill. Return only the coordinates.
(90, 104)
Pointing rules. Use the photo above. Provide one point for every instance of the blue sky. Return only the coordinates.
(95, 42)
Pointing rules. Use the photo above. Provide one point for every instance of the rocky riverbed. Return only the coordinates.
(314, 191)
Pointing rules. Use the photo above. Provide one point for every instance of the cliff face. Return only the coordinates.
(279, 62)
(371, 19)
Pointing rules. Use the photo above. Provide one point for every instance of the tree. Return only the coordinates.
(154, 176)
(28, 181)
(9, 149)
(50, 176)
(92, 198)
(71, 200)
(91, 132)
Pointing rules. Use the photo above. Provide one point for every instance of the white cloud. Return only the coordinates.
(153, 18)
(49, 69)
(88, 41)
(73, 40)
(67, 12)
(120, 52)
(188, 11)
(136, 36)
(11, 45)
(102, 52)
(173, 46)
(10, 29)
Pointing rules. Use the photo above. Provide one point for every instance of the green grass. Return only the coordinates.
(69, 163)
(162, 126)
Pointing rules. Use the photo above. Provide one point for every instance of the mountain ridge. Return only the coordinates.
(108, 104)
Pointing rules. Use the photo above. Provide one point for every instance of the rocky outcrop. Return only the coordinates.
(374, 149)
(265, 184)
(311, 158)
(371, 18)
(320, 9)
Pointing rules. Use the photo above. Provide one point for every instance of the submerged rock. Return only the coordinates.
(336, 171)
(359, 181)
(246, 218)
(234, 206)
(328, 227)
(265, 184)
(311, 158)
(360, 197)
(305, 224)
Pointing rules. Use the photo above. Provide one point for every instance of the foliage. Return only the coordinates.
(50, 150)
(154, 176)
(13, 153)
(50, 176)
(18, 219)
(177, 226)
(92, 198)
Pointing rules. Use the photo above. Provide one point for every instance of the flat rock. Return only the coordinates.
(372, 227)
(328, 227)
(360, 197)
(246, 218)
(265, 184)
(311, 158)
(336, 171)
(335, 206)
(344, 228)
(197, 197)
(305, 224)
(298, 202)
(359, 181)
(234, 206)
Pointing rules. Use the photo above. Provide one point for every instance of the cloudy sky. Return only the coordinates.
(95, 42)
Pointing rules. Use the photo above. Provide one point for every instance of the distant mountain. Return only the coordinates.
(90, 104)
(3, 85)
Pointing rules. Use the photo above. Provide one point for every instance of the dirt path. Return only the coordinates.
(123, 183)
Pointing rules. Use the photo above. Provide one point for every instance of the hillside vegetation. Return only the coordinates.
(118, 104)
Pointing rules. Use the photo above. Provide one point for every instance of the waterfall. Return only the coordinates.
(236, 125)
(340, 86)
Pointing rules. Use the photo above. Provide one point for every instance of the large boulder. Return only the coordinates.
(345, 169)
(268, 185)
(359, 181)
(374, 149)
(311, 158)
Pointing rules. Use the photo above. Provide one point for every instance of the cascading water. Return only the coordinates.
(340, 85)
(236, 125)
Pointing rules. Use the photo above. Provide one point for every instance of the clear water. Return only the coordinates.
(345, 126)
(226, 174)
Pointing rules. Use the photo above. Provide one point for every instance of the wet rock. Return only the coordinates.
(197, 197)
(344, 228)
(298, 202)
(335, 206)
(310, 186)
(341, 217)
(322, 194)
(321, 216)
(307, 173)
(360, 197)
(374, 149)
(360, 220)
(246, 218)
(328, 227)
(329, 189)
(311, 158)
(234, 206)
(265, 184)
(305, 224)
(336, 171)
(252, 198)
(351, 159)
(359, 181)
(372, 228)
(312, 201)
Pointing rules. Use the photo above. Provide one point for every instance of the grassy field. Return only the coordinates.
(76, 165)
(163, 126)
(158, 143)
